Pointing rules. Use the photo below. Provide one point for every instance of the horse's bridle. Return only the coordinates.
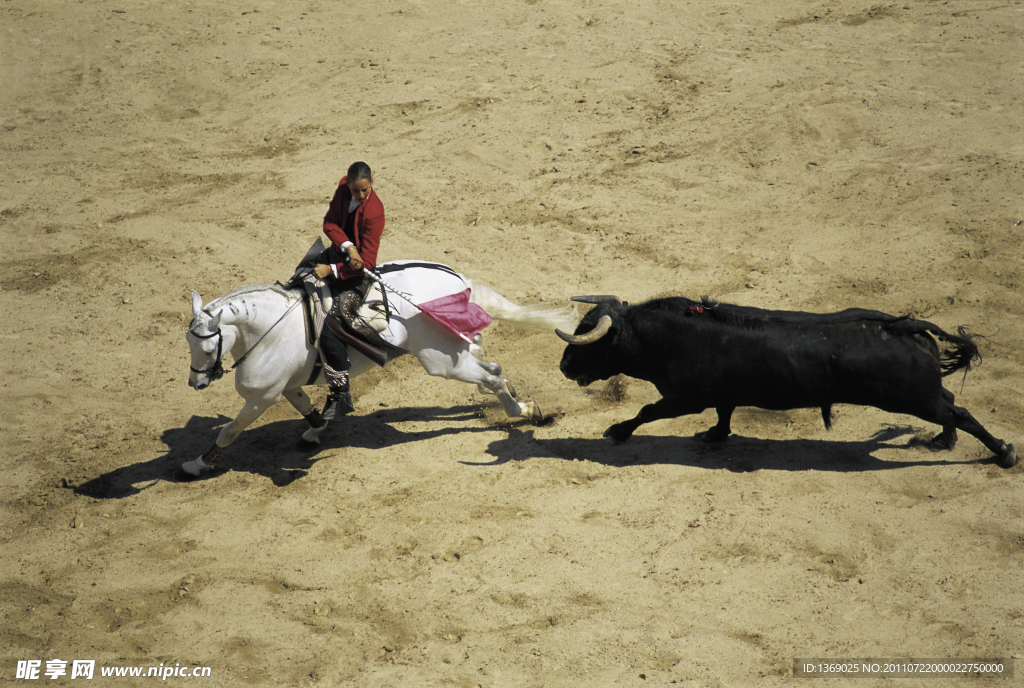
(217, 371)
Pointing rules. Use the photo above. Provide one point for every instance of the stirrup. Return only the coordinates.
(339, 403)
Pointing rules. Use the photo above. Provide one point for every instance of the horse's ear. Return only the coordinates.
(215, 323)
(197, 304)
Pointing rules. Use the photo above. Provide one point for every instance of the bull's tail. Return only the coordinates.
(535, 317)
(960, 353)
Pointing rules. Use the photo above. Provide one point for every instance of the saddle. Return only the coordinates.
(368, 319)
(356, 317)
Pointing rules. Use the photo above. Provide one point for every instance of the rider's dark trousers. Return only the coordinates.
(335, 351)
(347, 297)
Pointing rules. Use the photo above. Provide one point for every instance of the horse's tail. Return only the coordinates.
(535, 317)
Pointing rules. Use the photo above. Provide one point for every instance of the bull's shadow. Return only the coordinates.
(738, 453)
(273, 450)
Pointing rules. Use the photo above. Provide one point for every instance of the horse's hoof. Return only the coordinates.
(1009, 457)
(195, 468)
(532, 411)
(312, 436)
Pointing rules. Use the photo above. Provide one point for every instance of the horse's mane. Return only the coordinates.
(289, 294)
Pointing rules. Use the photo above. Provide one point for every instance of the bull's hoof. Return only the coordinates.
(618, 434)
(713, 435)
(1009, 457)
(942, 442)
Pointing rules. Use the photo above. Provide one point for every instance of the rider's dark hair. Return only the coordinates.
(359, 170)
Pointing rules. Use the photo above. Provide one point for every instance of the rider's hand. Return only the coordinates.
(322, 270)
(355, 260)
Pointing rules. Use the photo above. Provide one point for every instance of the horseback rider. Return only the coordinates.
(354, 223)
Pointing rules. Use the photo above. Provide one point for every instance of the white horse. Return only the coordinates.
(264, 329)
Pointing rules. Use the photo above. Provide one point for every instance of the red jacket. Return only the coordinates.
(367, 228)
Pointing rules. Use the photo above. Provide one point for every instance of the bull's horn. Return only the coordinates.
(600, 330)
(594, 299)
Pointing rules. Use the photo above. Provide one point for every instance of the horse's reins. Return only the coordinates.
(387, 287)
(217, 371)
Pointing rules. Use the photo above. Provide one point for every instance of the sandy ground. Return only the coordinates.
(785, 154)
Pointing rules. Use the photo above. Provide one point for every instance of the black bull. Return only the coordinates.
(702, 355)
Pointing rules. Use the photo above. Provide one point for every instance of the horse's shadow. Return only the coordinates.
(273, 450)
(738, 454)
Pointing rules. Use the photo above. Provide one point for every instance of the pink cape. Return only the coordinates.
(457, 313)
